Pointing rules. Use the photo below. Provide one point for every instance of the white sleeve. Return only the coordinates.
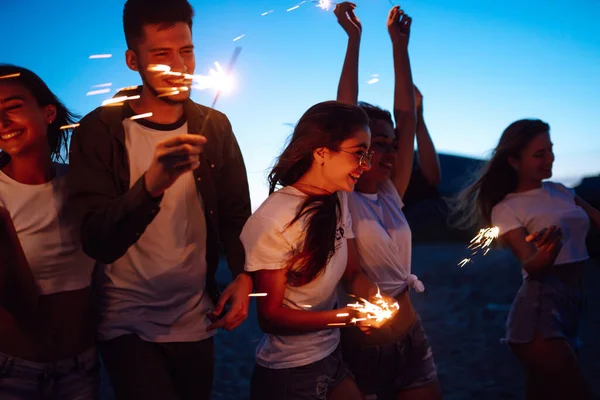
(264, 245)
(505, 218)
(563, 189)
(388, 189)
(347, 218)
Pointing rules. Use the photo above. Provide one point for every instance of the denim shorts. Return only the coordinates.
(548, 306)
(75, 378)
(388, 369)
(308, 382)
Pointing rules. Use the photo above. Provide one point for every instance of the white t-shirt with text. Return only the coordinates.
(269, 242)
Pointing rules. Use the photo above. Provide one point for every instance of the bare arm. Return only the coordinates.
(592, 212)
(348, 85)
(537, 252)
(426, 154)
(354, 279)
(277, 319)
(18, 292)
(404, 99)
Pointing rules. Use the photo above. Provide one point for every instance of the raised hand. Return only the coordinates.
(347, 19)
(173, 157)
(398, 25)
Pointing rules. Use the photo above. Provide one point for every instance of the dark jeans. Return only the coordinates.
(141, 370)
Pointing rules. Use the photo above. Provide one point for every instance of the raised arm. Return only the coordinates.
(348, 86)
(426, 154)
(404, 99)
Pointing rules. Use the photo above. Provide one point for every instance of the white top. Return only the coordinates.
(156, 290)
(383, 238)
(552, 204)
(50, 240)
(269, 243)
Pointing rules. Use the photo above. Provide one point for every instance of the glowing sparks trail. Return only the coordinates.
(102, 85)
(292, 9)
(239, 37)
(95, 92)
(140, 116)
(10, 76)
(72, 126)
(324, 4)
(119, 100)
(481, 241)
(257, 295)
(378, 311)
(97, 56)
(374, 79)
(266, 13)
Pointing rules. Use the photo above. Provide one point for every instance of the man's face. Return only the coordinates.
(172, 47)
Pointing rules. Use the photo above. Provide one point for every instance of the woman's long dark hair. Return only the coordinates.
(57, 138)
(325, 124)
(497, 177)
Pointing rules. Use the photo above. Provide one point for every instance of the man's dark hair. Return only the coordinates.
(165, 13)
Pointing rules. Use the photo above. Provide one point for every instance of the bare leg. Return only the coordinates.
(553, 362)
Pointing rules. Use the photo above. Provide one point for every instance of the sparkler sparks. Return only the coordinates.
(266, 13)
(119, 100)
(324, 4)
(72, 126)
(239, 37)
(374, 79)
(140, 116)
(257, 295)
(292, 9)
(97, 56)
(481, 241)
(378, 311)
(10, 76)
(95, 92)
(102, 85)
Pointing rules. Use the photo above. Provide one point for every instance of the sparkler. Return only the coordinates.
(481, 241)
(378, 311)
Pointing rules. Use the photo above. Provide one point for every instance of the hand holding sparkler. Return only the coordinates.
(398, 25)
(173, 157)
(374, 313)
(548, 240)
(347, 19)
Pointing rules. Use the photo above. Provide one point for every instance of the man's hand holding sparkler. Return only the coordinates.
(173, 157)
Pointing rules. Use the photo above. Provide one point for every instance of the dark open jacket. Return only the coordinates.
(113, 216)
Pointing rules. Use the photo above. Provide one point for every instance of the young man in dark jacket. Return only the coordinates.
(158, 198)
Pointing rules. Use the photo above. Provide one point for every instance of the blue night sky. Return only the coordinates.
(480, 65)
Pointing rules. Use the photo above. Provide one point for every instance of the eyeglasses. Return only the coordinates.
(364, 157)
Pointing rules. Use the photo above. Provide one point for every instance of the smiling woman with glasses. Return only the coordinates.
(395, 361)
(300, 246)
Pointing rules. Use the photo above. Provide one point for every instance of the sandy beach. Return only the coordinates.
(463, 310)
